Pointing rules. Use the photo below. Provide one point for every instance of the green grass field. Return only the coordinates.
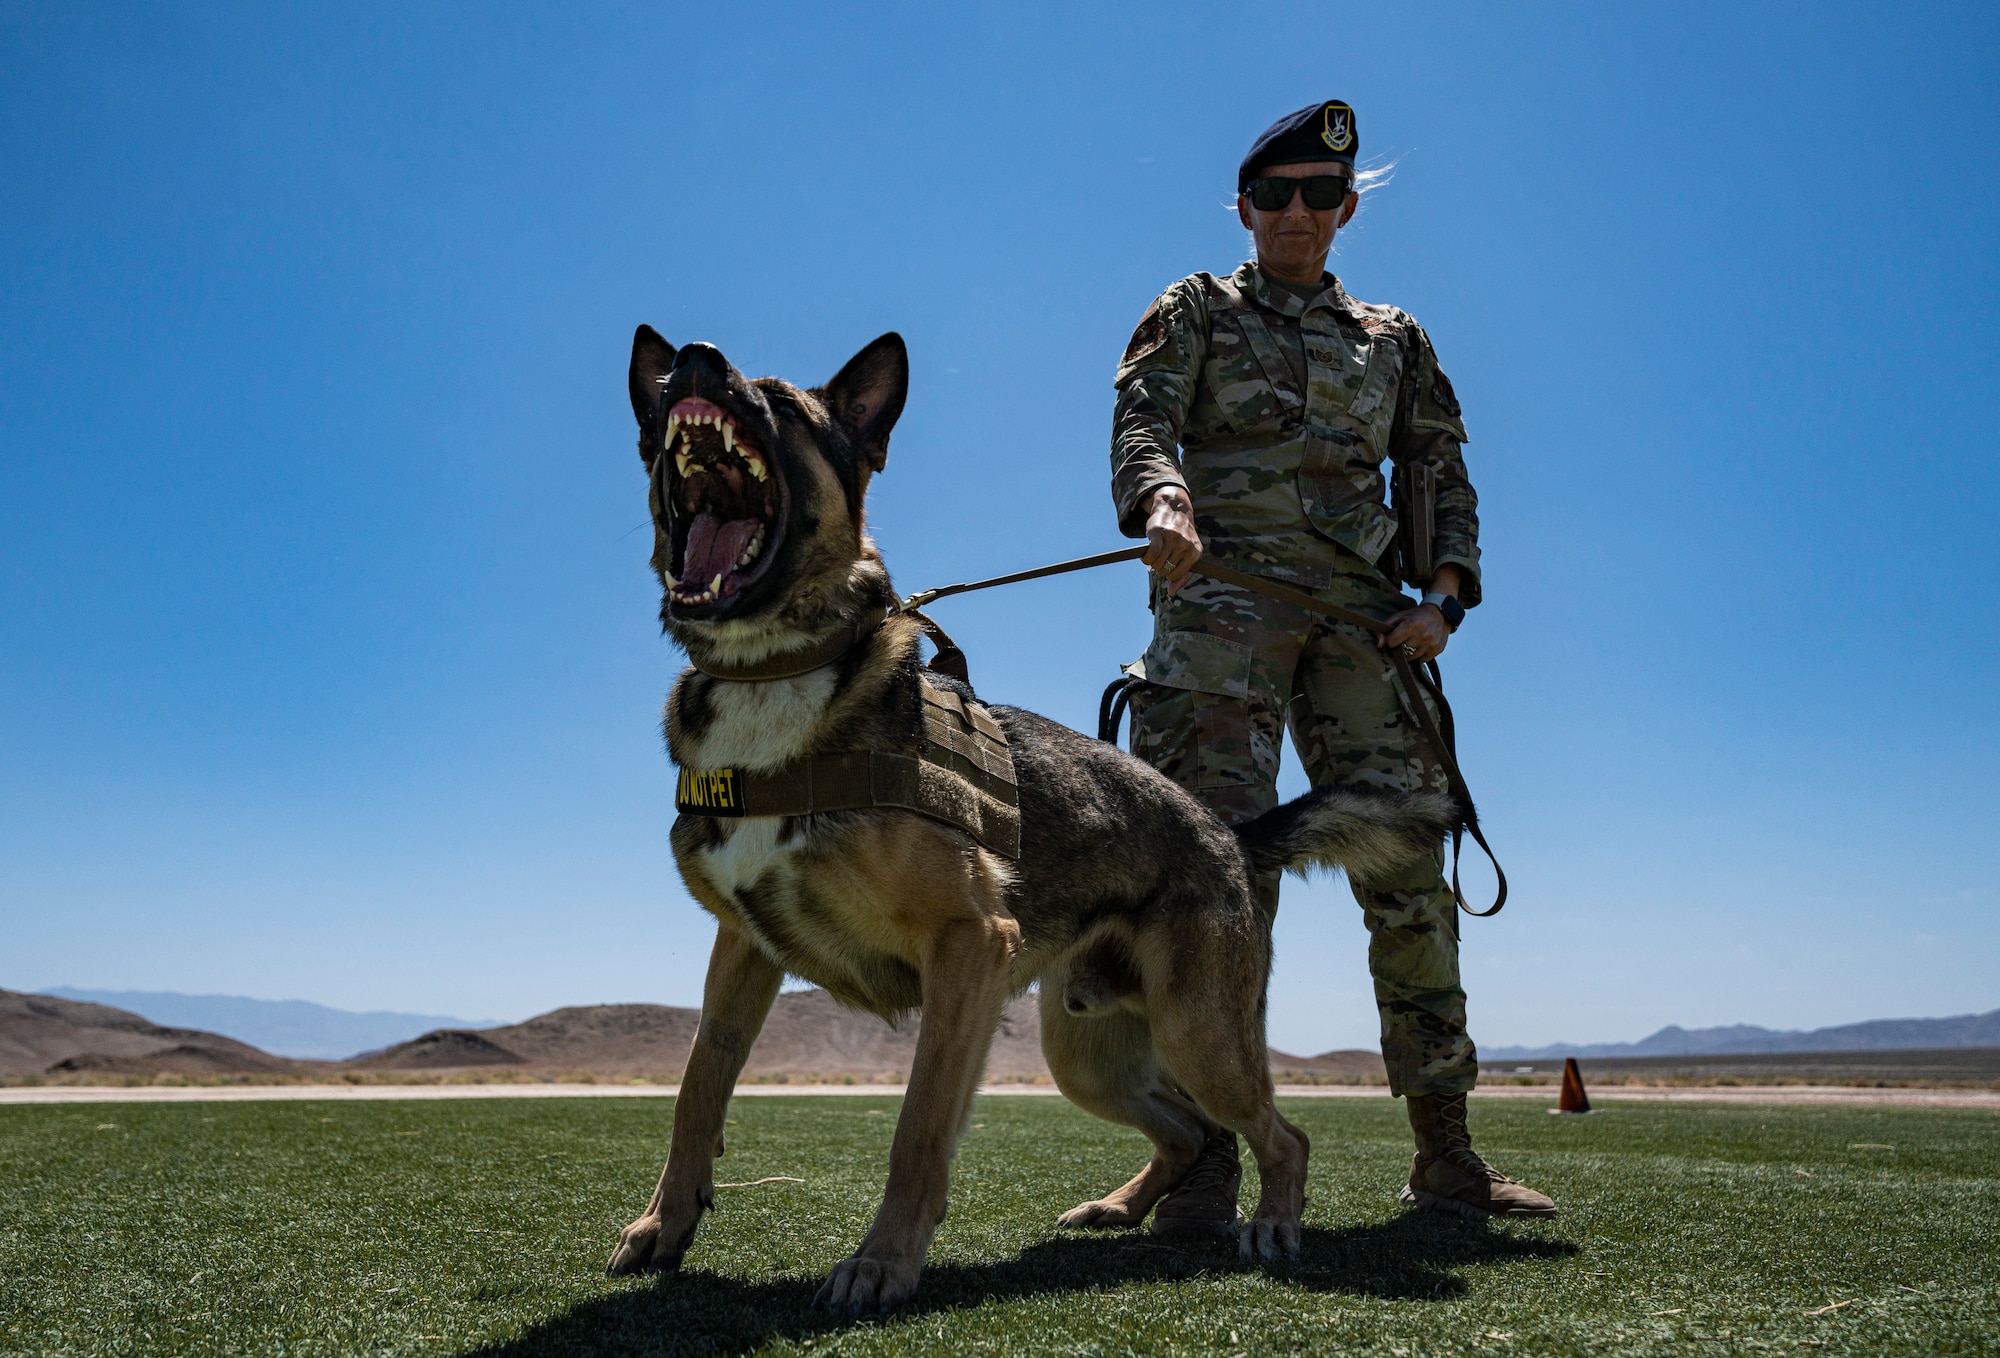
(482, 1226)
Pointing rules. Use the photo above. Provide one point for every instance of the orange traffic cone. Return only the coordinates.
(1573, 1099)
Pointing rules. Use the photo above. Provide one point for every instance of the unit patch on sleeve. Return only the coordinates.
(1442, 393)
(1150, 335)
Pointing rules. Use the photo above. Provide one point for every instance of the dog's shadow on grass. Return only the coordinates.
(1413, 1257)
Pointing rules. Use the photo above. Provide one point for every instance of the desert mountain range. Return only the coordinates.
(282, 1027)
(48, 1035)
(808, 1037)
(1963, 1030)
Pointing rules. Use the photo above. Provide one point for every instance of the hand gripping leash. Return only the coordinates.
(1414, 685)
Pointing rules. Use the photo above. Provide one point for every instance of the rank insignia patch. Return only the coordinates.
(1338, 131)
(709, 792)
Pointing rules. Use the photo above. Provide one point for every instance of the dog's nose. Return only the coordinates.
(702, 358)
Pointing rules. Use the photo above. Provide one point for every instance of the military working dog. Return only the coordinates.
(1128, 901)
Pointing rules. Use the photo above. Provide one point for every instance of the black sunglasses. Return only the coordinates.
(1322, 192)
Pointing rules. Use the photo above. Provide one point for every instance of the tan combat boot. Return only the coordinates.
(1448, 1175)
(1205, 1203)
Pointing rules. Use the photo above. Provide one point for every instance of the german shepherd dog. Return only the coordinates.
(1130, 902)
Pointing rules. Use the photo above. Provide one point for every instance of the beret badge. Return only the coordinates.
(1338, 129)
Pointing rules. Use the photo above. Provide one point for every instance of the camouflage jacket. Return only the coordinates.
(1210, 399)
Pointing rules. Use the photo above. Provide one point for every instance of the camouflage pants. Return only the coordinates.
(1228, 672)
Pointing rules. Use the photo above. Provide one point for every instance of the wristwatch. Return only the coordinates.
(1453, 610)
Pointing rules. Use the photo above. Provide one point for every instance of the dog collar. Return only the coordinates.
(794, 663)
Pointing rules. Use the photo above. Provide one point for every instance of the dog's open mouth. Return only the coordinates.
(726, 504)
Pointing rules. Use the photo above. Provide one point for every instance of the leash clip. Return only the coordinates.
(919, 599)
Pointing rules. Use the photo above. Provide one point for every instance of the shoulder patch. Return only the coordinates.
(1442, 393)
(1151, 334)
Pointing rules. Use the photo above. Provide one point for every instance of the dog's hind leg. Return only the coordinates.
(1206, 1005)
(1107, 1066)
(736, 999)
(966, 969)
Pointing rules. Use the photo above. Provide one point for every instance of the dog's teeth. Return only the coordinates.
(671, 582)
(681, 461)
(673, 428)
(715, 585)
(728, 438)
(756, 463)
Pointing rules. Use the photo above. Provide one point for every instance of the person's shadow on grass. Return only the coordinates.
(1412, 1257)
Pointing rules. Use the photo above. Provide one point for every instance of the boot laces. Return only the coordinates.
(1457, 1142)
(1212, 1169)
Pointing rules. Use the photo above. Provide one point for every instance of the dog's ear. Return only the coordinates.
(652, 360)
(867, 395)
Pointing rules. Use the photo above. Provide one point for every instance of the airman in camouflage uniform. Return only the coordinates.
(1253, 416)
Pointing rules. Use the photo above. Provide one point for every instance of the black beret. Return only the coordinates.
(1316, 132)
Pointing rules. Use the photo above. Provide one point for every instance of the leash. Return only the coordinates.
(1414, 684)
(1082, 563)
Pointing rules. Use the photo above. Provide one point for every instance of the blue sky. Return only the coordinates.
(328, 666)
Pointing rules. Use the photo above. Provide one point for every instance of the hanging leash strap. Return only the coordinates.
(1413, 684)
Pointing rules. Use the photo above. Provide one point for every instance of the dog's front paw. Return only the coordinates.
(1106, 1214)
(1268, 1239)
(646, 1247)
(859, 1285)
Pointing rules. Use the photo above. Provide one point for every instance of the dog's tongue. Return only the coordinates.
(713, 547)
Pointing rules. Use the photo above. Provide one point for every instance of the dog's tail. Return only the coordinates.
(1370, 831)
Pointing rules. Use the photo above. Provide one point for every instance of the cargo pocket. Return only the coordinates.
(1198, 662)
(1193, 721)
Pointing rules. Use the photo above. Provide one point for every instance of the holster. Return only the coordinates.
(1413, 496)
